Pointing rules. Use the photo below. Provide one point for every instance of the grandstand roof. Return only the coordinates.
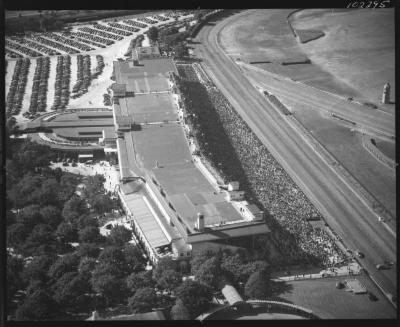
(146, 220)
(228, 231)
(231, 294)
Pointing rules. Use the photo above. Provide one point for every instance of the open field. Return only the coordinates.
(325, 300)
(346, 69)
(361, 47)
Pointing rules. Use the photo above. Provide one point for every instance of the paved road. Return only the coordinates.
(370, 120)
(344, 210)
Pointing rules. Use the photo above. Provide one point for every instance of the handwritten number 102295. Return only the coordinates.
(368, 4)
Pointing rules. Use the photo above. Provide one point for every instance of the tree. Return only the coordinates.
(198, 259)
(169, 280)
(120, 235)
(40, 241)
(11, 218)
(89, 234)
(86, 266)
(209, 273)
(66, 263)
(14, 283)
(70, 291)
(258, 286)
(48, 193)
(101, 203)
(144, 300)
(30, 216)
(152, 33)
(38, 267)
(51, 215)
(163, 264)
(138, 280)
(114, 256)
(179, 311)
(86, 221)
(74, 208)
(112, 288)
(135, 262)
(16, 235)
(66, 233)
(195, 296)
(38, 306)
(88, 250)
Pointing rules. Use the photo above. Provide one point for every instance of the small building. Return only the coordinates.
(254, 211)
(141, 53)
(233, 186)
(83, 157)
(118, 90)
(234, 196)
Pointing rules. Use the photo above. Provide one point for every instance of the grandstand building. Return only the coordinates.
(175, 205)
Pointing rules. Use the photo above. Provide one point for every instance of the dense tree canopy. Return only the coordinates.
(51, 215)
(119, 235)
(38, 306)
(88, 250)
(138, 280)
(209, 273)
(66, 232)
(169, 280)
(66, 263)
(179, 311)
(89, 234)
(152, 33)
(70, 290)
(112, 288)
(258, 285)
(38, 267)
(144, 300)
(195, 296)
(41, 240)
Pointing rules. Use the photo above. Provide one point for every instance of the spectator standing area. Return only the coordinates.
(153, 148)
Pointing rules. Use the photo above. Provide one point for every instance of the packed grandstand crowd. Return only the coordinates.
(229, 144)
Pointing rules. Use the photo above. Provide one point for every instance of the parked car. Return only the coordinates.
(382, 266)
(372, 297)
(360, 254)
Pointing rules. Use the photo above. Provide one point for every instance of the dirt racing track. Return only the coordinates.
(343, 209)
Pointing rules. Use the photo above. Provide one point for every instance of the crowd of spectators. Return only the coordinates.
(111, 30)
(61, 86)
(84, 77)
(228, 143)
(17, 87)
(89, 37)
(20, 48)
(64, 40)
(134, 23)
(124, 27)
(39, 86)
(31, 44)
(53, 44)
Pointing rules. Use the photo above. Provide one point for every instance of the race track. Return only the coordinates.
(343, 209)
